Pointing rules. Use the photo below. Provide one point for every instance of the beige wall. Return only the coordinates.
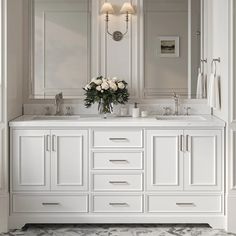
(166, 19)
(14, 58)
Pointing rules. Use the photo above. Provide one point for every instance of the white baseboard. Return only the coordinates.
(17, 221)
(231, 213)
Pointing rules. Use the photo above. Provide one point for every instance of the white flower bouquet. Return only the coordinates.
(106, 92)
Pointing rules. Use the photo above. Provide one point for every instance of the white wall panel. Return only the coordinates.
(61, 46)
(120, 59)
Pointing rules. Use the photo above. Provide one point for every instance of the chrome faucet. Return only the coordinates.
(58, 103)
(176, 101)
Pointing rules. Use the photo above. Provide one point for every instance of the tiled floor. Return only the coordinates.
(118, 230)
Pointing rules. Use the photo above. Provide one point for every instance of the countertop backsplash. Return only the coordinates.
(152, 109)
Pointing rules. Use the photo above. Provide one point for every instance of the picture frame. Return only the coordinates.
(168, 46)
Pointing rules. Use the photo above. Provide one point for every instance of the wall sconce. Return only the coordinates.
(127, 9)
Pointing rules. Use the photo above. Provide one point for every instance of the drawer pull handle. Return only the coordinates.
(118, 204)
(185, 204)
(118, 139)
(118, 161)
(50, 203)
(118, 182)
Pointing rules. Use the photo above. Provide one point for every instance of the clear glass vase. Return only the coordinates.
(105, 107)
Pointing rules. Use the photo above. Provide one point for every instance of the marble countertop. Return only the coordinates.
(99, 121)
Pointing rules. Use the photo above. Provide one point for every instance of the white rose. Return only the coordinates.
(121, 85)
(105, 86)
(93, 80)
(115, 79)
(98, 81)
(113, 86)
(87, 87)
(104, 80)
(98, 88)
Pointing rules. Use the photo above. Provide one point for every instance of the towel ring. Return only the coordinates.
(202, 61)
(214, 65)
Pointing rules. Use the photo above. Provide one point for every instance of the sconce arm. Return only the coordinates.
(107, 26)
(127, 24)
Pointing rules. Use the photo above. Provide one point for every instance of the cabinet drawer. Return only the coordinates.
(118, 138)
(23, 203)
(195, 204)
(118, 204)
(119, 182)
(118, 160)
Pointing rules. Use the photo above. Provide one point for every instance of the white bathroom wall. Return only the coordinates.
(123, 59)
(4, 196)
(223, 35)
(15, 29)
(11, 96)
(219, 46)
(231, 145)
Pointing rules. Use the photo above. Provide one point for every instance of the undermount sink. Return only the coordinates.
(181, 118)
(55, 118)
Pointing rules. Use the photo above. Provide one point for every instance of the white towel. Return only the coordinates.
(200, 85)
(205, 86)
(214, 92)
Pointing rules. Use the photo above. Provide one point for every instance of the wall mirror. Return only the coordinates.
(173, 48)
(60, 47)
(173, 35)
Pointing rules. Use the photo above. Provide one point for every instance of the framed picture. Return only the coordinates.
(168, 46)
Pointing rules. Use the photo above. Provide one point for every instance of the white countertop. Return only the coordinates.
(98, 121)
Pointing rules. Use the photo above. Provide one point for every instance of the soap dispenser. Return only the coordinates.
(135, 111)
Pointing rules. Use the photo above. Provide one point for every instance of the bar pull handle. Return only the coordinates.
(122, 204)
(118, 139)
(54, 143)
(118, 182)
(187, 143)
(50, 203)
(185, 204)
(48, 143)
(181, 143)
(118, 161)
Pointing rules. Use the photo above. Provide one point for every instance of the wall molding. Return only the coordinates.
(75, 92)
(120, 59)
(232, 151)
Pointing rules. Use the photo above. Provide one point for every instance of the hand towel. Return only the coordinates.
(214, 92)
(200, 85)
(205, 86)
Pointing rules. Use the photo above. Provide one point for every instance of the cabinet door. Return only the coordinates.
(164, 160)
(69, 160)
(203, 160)
(30, 160)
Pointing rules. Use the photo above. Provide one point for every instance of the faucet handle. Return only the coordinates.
(68, 111)
(187, 109)
(47, 111)
(175, 95)
(166, 111)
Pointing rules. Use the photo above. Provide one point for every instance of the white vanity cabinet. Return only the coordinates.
(184, 160)
(203, 160)
(44, 160)
(164, 159)
(69, 156)
(30, 160)
(117, 171)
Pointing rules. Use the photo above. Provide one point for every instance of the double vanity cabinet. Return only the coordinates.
(119, 170)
